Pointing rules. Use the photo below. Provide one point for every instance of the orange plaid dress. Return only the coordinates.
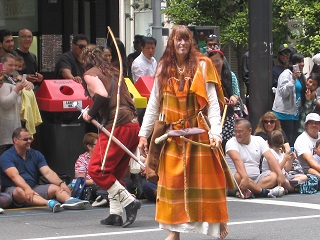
(192, 183)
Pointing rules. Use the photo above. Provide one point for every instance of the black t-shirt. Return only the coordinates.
(265, 137)
(30, 61)
(69, 61)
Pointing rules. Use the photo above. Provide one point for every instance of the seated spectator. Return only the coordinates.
(285, 159)
(81, 170)
(243, 157)
(316, 156)
(306, 142)
(268, 123)
(5, 200)
(19, 170)
(150, 191)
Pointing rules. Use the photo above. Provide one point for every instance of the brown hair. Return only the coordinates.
(267, 115)
(17, 131)
(276, 140)
(89, 139)
(92, 56)
(167, 63)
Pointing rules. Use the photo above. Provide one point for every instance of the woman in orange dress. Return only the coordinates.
(191, 193)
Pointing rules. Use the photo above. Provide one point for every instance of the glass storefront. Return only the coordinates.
(18, 14)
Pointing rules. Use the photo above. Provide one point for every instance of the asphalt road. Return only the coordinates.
(290, 217)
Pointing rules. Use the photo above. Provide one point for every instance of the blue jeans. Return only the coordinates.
(149, 191)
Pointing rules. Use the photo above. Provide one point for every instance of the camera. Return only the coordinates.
(291, 149)
(296, 68)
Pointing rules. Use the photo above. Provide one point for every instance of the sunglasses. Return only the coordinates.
(26, 139)
(269, 121)
(285, 53)
(212, 44)
(81, 46)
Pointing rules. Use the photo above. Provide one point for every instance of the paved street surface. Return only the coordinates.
(290, 217)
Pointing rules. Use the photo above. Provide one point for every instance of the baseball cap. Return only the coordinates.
(284, 47)
(312, 117)
(212, 37)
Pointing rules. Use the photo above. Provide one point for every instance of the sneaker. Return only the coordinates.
(54, 205)
(99, 202)
(277, 191)
(75, 204)
(1, 210)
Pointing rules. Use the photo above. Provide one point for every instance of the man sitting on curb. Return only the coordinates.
(244, 152)
(20, 166)
(306, 142)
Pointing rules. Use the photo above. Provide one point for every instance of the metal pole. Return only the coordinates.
(157, 28)
(260, 62)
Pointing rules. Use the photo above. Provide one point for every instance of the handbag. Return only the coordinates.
(154, 152)
(240, 110)
(134, 165)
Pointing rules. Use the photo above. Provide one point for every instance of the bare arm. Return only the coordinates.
(53, 178)
(241, 170)
(66, 74)
(311, 161)
(95, 86)
(274, 166)
(288, 161)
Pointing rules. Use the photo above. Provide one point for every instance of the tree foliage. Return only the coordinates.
(233, 18)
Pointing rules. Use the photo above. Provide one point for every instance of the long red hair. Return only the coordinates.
(167, 63)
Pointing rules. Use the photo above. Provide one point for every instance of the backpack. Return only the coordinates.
(310, 186)
(78, 185)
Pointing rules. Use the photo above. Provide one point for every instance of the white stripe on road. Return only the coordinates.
(273, 220)
(258, 201)
(157, 229)
(279, 203)
(96, 234)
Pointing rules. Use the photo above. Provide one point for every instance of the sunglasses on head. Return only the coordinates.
(81, 46)
(269, 121)
(285, 53)
(26, 139)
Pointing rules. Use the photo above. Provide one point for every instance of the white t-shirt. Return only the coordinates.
(250, 154)
(279, 157)
(143, 66)
(304, 144)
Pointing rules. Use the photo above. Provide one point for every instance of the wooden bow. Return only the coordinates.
(118, 97)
